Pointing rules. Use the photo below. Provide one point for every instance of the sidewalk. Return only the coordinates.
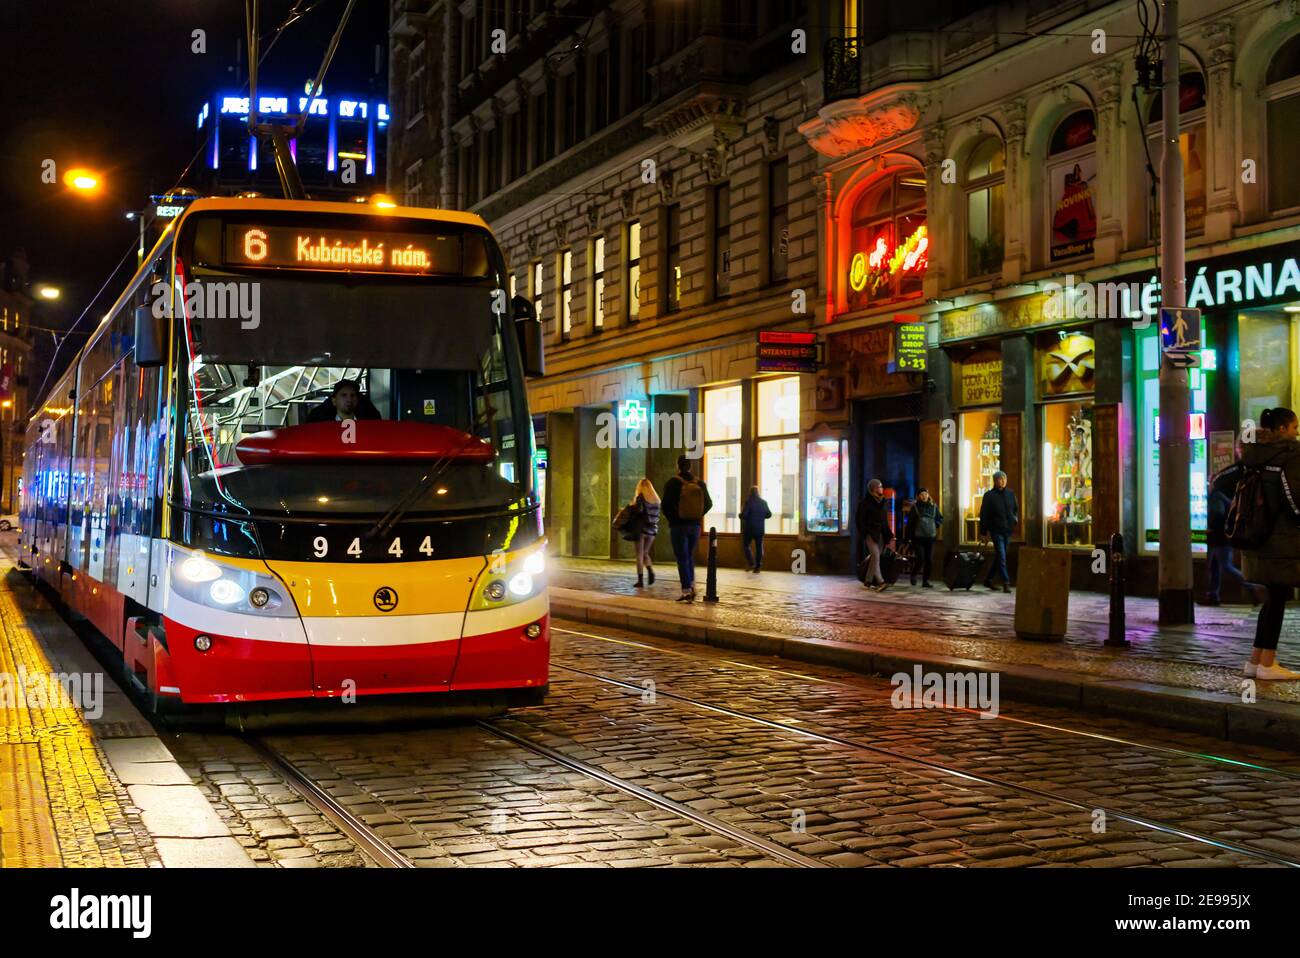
(84, 779)
(1189, 676)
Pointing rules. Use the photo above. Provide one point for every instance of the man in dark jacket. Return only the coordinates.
(753, 524)
(999, 515)
(685, 503)
(873, 526)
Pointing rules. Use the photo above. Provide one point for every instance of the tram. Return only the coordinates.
(295, 461)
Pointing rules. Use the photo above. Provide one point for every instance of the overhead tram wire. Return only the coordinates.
(295, 14)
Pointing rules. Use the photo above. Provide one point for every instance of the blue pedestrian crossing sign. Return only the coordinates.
(1180, 335)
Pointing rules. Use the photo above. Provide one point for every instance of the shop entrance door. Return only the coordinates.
(889, 449)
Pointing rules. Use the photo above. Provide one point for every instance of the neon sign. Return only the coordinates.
(881, 263)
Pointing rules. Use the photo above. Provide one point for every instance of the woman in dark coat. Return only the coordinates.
(753, 523)
(642, 528)
(872, 519)
(1276, 564)
(923, 521)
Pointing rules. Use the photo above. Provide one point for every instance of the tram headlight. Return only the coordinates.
(225, 592)
(496, 590)
(512, 577)
(521, 585)
(535, 564)
(217, 585)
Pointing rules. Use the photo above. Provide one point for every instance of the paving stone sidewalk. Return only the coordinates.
(975, 625)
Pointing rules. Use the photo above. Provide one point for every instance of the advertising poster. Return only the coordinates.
(1074, 215)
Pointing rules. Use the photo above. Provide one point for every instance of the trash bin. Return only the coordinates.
(1042, 594)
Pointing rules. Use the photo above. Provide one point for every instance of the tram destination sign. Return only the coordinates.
(909, 347)
(342, 250)
(786, 351)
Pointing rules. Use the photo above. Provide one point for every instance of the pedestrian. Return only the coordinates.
(923, 521)
(873, 526)
(753, 523)
(1275, 564)
(999, 515)
(1220, 560)
(642, 528)
(685, 504)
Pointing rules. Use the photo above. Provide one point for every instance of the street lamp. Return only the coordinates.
(83, 180)
(49, 292)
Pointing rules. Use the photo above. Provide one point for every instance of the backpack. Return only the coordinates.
(690, 505)
(1256, 507)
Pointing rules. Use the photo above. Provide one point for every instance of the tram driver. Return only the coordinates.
(344, 403)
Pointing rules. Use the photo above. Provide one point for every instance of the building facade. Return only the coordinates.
(990, 179)
(18, 316)
(641, 165)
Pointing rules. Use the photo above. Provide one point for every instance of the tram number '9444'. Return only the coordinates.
(321, 548)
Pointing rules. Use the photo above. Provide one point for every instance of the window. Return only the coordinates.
(891, 243)
(637, 80)
(414, 176)
(566, 293)
(828, 485)
(1067, 474)
(468, 61)
(722, 240)
(980, 449)
(519, 140)
(514, 285)
(493, 158)
(1282, 95)
(632, 296)
(778, 220)
(537, 290)
(600, 68)
(672, 258)
(415, 85)
(1071, 177)
(537, 117)
(723, 417)
(778, 451)
(984, 209)
(596, 256)
(1191, 143)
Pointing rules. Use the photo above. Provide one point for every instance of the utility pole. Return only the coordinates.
(1175, 399)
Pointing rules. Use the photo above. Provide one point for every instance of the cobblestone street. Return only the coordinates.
(754, 762)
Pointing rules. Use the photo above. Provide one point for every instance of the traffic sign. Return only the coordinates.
(1180, 335)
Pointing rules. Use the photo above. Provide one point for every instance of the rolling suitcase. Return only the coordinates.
(960, 569)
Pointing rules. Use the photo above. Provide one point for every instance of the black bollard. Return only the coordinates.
(1116, 634)
(711, 578)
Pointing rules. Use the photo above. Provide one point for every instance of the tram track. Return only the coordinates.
(1002, 716)
(952, 771)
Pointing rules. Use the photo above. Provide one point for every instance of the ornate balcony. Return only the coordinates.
(841, 78)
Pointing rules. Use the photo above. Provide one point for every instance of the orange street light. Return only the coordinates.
(49, 292)
(83, 180)
(383, 201)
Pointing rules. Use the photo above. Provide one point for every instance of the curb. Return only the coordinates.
(181, 822)
(1215, 714)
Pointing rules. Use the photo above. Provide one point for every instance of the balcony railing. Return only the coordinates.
(840, 75)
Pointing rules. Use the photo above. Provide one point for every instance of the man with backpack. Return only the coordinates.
(1263, 521)
(685, 504)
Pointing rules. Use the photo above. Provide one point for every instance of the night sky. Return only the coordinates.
(113, 85)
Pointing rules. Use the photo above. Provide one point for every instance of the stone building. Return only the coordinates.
(17, 313)
(1012, 145)
(640, 164)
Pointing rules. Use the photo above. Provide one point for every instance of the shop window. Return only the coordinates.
(723, 421)
(890, 245)
(1067, 474)
(596, 253)
(1264, 348)
(827, 500)
(985, 180)
(980, 449)
(1191, 143)
(1071, 178)
(1282, 95)
(1148, 381)
(778, 451)
(535, 272)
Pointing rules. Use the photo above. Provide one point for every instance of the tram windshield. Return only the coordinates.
(427, 357)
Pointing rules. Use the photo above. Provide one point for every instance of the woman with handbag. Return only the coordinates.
(923, 522)
(640, 526)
